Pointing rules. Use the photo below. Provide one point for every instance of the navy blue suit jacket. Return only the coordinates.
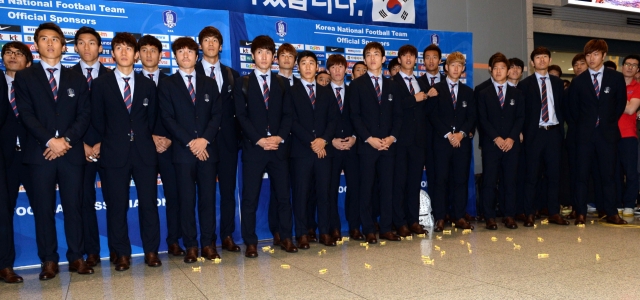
(10, 126)
(310, 123)
(91, 137)
(371, 119)
(114, 123)
(586, 107)
(256, 120)
(414, 120)
(42, 116)
(186, 121)
(445, 118)
(530, 88)
(505, 122)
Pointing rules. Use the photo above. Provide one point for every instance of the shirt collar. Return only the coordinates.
(10, 79)
(449, 81)
(155, 73)
(45, 66)
(117, 72)
(538, 76)
(592, 72)
(258, 74)
(406, 75)
(183, 74)
(95, 66)
(334, 86)
(496, 84)
(371, 75)
(207, 66)
(305, 83)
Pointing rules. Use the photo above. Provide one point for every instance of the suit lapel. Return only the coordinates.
(177, 78)
(138, 93)
(113, 86)
(200, 92)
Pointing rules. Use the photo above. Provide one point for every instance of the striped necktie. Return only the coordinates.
(501, 96)
(89, 77)
(12, 100)
(378, 90)
(453, 95)
(265, 91)
(127, 93)
(411, 90)
(53, 84)
(192, 92)
(433, 80)
(312, 96)
(213, 75)
(596, 87)
(545, 109)
(339, 97)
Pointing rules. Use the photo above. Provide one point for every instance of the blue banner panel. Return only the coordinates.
(397, 13)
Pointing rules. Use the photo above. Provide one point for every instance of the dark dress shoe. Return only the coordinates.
(311, 236)
(571, 215)
(210, 252)
(80, 266)
(417, 228)
(403, 231)
(468, 217)
(557, 219)
(112, 257)
(371, 238)
(336, 234)
(303, 242)
(287, 245)
(356, 234)
(175, 250)
(276, 239)
(229, 245)
(491, 224)
(152, 260)
(9, 276)
(580, 219)
(528, 222)
(510, 223)
(390, 236)
(192, 255)
(463, 224)
(439, 226)
(93, 260)
(123, 263)
(327, 240)
(49, 270)
(521, 217)
(615, 219)
(251, 251)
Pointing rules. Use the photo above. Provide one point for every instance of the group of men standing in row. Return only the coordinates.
(65, 125)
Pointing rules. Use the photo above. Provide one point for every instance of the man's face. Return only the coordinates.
(88, 48)
(308, 68)
(393, 71)
(150, 56)
(49, 44)
(286, 60)
(431, 61)
(323, 79)
(499, 72)
(374, 58)
(186, 58)
(595, 59)
(630, 67)
(554, 73)
(124, 55)
(454, 70)
(579, 67)
(263, 59)
(14, 60)
(337, 72)
(358, 71)
(407, 61)
(515, 72)
(210, 46)
(541, 61)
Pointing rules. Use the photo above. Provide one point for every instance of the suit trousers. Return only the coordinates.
(89, 218)
(346, 160)
(496, 161)
(452, 174)
(407, 177)
(227, 170)
(604, 154)
(545, 148)
(306, 169)
(370, 166)
(170, 188)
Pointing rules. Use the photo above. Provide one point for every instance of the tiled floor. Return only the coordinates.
(594, 262)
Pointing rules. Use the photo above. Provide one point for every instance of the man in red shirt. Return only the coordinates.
(628, 144)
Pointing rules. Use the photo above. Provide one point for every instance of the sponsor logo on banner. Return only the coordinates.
(70, 58)
(435, 39)
(245, 43)
(298, 46)
(106, 60)
(314, 48)
(391, 53)
(69, 41)
(160, 37)
(10, 37)
(9, 28)
(393, 11)
(247, 66)
(354, 57)
(29, 38)
(244, 50)
(165, 46)
(335, 49)
(164, 62)
(353, 51)
(109, 34)
(170, 18)
(281, 28)
(166, 54)
(275, 68)
(320, 55)
(29, 28)
(173, 38)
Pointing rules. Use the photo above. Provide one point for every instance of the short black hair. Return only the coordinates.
(610, 64)
(21, 47)
(263, 42)
(394, 62)
(210, 31)
(304, 54)
(630, 56)
(125, 38)
(433, 47)
(89, 30)
(539, 51)
(514, 61)
(184, 42)
(555, 68)
(150, 40)
(359, 63)
(49, 26)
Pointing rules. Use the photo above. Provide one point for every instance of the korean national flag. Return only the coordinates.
(394, 11)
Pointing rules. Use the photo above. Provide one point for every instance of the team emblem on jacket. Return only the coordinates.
(512, 102)
(606, 90)
(464, 103)
(390, 97)
(145, 102)
(206, 97)
(71, 92)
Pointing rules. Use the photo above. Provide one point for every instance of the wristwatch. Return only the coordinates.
(464, 135)
(66, 139)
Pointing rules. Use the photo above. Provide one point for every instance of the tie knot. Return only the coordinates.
(310, 86)
(375, 78)
(189, 77)
(264, 77)
(150, 75)
(338, 89)
(213, 68)
(89, 70)
(596, 74)
(543, 78)
(126, 79)
(408, 78)
(500, 87)
(51, 70)
(453, 85)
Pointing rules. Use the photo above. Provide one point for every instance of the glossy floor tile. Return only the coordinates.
(548, 261)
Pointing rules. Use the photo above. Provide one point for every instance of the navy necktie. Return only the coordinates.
(378, 89)
(411, 90)
(127, 93)
(453, 95)
(53, 84)
(89, 77)
(339, 97)
(12, 100)
(545, 109)
(265, 91)
(312, 95)
(500, 96)
(191, 90)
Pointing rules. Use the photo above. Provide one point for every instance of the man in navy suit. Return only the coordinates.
(452, 118)
(263, 108)
(345, 155)
(597, 99)
(150, 49)
(54, 107)
(542, 133)
(376, 113)
(314, 125)
(191, 112)
(88, 45)
(412, 143)
(123, 112)
(501, 115)
(432, 57)
(210, 40)
(16, 56)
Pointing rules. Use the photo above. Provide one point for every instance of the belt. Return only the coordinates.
(548, 127)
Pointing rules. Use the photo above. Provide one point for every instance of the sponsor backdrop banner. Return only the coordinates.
(397, 13)
(20, 18)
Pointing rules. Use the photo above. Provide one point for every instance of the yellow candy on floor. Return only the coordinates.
(382, 243)
(436, 247)
(367, 266)
(364, 244)
(345, 239)
(442, 253)
(543, 255)
(461, 242)
(323, 271)
(581, 225)
(579, 240)
(439, 238)
(592, 222)
(446, 232)
(425, 257)
(324, 251)
(200, 258)
(516, 246)
(494, 239)
(266, 248)
(196, 269)
(470, 251)
(466, 231)
(217, 260)
(597, 257)
(509, 239)
(535, 226)
(285, 266)
(402, 238)
(421, 235)
(319, 253)
(272, 251)
(339, 242)
(409, 238)
(544, 222)
(540, 239)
